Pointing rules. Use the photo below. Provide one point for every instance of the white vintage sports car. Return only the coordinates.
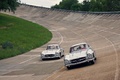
(79, 53)
(52, 51)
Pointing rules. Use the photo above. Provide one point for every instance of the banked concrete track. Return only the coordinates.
(101, 31)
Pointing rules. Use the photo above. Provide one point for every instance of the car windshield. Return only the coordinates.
(77, 48)
(52, 47)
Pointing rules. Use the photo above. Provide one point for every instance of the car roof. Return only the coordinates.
(78, 44)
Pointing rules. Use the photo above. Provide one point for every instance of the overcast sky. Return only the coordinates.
(43, 3)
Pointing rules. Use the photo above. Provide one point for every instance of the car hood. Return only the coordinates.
(49, 52)
(77, 54)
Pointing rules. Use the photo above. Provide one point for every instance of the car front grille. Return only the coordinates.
(49, 55)
(78, 60)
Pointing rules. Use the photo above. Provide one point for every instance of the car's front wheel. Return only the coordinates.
(68, 67)
(60, 56)
(41, 59)
(92, 62)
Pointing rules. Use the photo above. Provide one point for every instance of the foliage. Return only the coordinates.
(85, 5)
(68, 5)
(9, 5)
(105, 5)
(89, 5)
(76, 7)
(18, 36)
(7, 45)
(56, 6)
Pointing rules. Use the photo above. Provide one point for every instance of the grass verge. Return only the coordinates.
(18, 36)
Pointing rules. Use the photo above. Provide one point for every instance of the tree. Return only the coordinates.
(10, 5)
(55, 6)
(89, 5)
(96, 5)
(76, 7)
(113, 5)
(104, 5)
(86, 5)
(66, 4)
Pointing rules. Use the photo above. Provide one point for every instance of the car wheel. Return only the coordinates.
(60, 56)
(68, 67)
(92, 62)
(95, 58)
(63, 55)
(42, 59)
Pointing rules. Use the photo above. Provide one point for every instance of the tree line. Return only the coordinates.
(88, 5)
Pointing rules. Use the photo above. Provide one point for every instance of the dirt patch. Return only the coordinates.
(7, 26)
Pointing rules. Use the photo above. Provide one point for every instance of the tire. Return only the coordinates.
(42, 59)
(60, 56)
(63, 55)
(92, 62)
(95, 58)
(68, 67)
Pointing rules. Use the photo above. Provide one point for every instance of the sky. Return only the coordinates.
(43, 3)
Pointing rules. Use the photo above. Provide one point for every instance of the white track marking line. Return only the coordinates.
(8, 76)
(54, 73)
(12, 76)
(51, 75)
(11, 70)
(117, 65)
(62, 39)
(12, 67)
(59, 74)
(106, 46)
(110, 32)
(27, 60)
(107, 31)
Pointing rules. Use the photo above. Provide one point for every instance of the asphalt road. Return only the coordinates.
(102, 32)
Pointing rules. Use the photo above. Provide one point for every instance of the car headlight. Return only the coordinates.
(89, 56)
(42, 55)
(57, 54)
(66, 61)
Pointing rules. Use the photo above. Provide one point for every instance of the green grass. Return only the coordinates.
(18, 36)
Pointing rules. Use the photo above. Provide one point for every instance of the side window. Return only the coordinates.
(83, 46)
(70, 50)
(89, 46)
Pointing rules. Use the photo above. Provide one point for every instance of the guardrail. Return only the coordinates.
(63, 10)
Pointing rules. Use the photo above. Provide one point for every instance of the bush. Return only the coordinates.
(7, 45)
